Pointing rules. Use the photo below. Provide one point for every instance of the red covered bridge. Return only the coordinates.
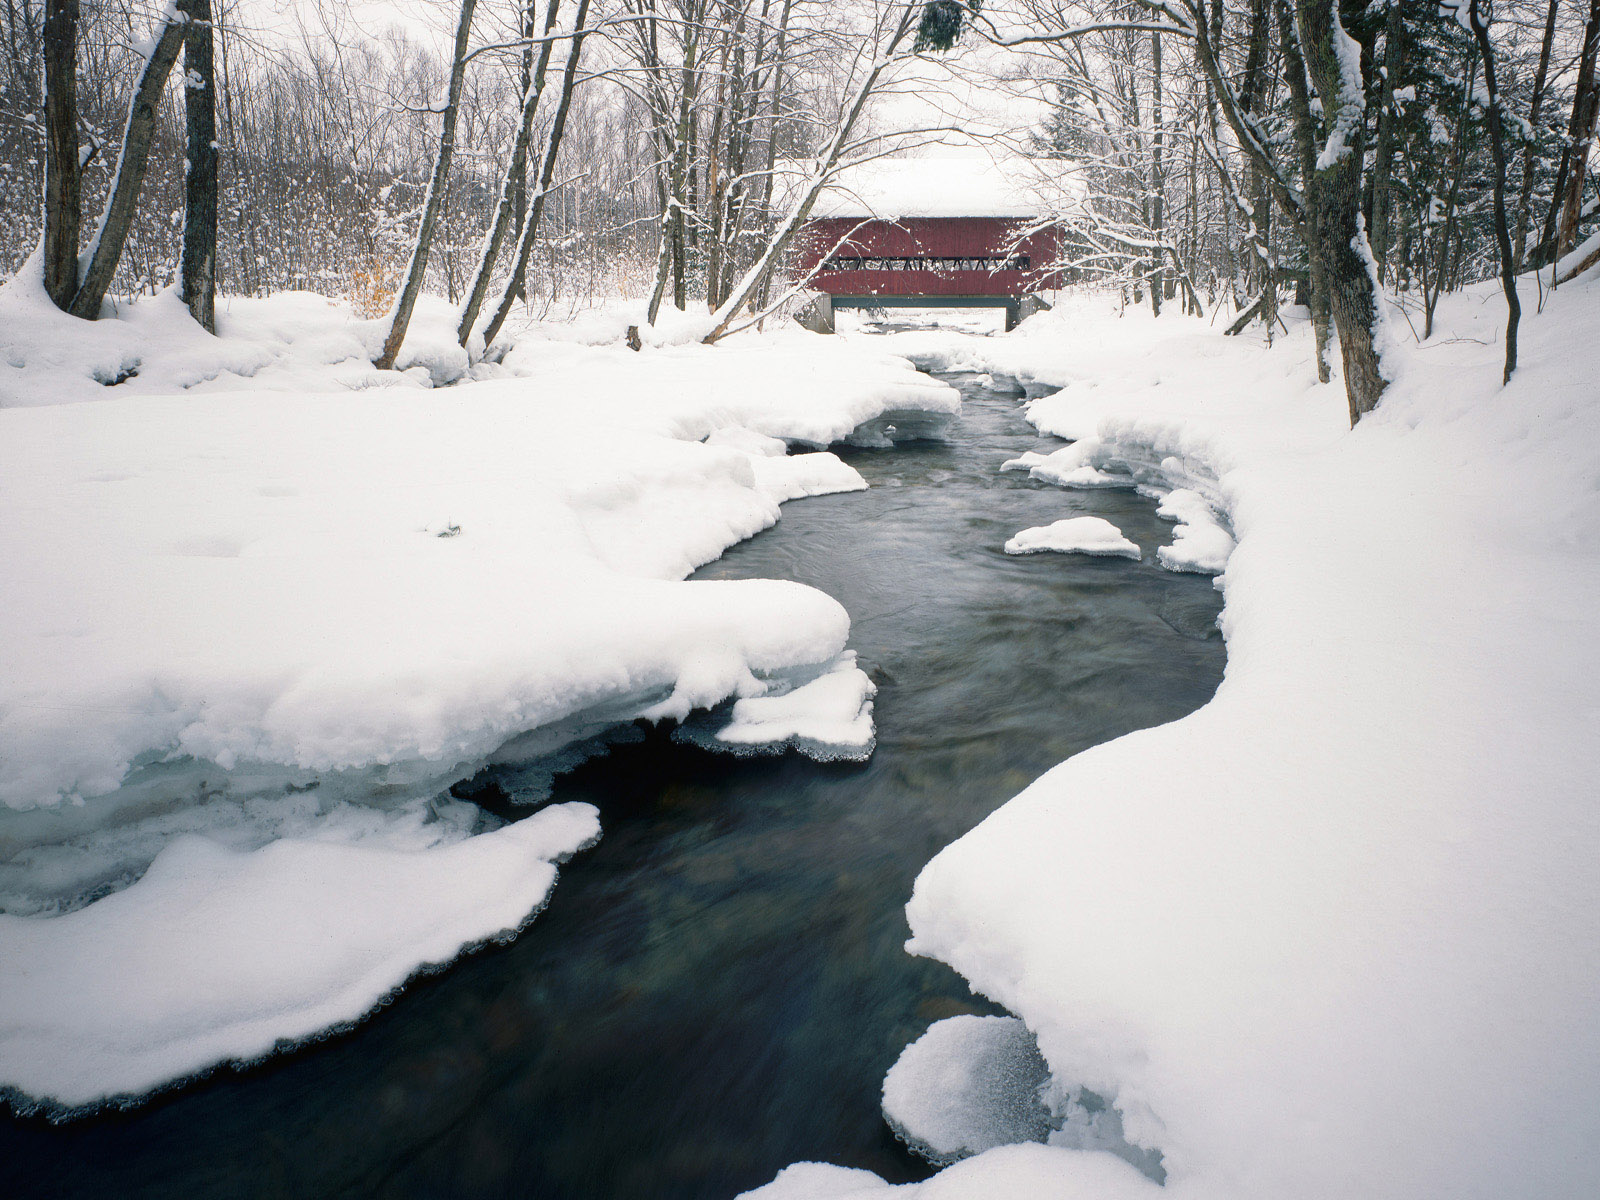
(927, 233)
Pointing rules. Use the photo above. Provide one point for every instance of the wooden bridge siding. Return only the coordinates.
(919, 237)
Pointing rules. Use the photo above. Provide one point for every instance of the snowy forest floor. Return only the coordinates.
(1334, 934)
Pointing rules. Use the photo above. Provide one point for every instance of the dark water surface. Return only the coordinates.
(718, 988)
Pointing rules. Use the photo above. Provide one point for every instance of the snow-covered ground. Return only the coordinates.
(1336, 934)
(263, 603)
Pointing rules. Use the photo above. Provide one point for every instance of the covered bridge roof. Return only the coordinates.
(972, 184)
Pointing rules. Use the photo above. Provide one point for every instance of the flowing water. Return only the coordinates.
(718, 988)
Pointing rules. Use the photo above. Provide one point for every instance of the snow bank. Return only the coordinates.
(1337, 933)
(259, 613)
(1024, 1172)
(224, 956)
(1075, 535)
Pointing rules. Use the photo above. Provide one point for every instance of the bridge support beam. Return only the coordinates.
(817, 316)
(1021, 308)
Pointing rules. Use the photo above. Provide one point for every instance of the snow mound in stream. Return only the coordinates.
(1075, 535)
(968, 1085)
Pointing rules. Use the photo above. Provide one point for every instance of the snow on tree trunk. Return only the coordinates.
(197, 269)
(1333, 204)
(99, 262)
(63, 176)
(411, 288)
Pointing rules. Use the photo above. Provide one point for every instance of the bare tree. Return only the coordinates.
(63, 187)
(105, 249)
(512, 186)
(547, 172)
(197, 273)
(1502, 229)
(411, 288)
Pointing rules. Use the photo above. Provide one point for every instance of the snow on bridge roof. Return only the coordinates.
(969, 185)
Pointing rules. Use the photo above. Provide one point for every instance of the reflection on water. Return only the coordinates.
(718, 988)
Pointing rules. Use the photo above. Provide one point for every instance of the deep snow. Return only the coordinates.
(1337, 933)
(264, 603)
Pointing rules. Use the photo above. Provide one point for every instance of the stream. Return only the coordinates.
(717, 989)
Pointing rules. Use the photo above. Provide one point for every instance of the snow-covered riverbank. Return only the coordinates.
(255, 627)
(1335, 934)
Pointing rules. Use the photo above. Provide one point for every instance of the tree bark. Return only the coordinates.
(197, 267)
(99, 261)
(1333, 197)
(63, 176)
(405, 302)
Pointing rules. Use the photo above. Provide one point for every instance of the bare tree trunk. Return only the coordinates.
(63, 177)
(1333, 196)
(1252, 97)
(547, 173)
(400, 317)
(1497, 147)
(1441, 273)
(99, 261)
(197, 267)
(516, 172)
(1585, 103)
(1535, 103)
(1158, 182)
(780, 56)
(1294, 70)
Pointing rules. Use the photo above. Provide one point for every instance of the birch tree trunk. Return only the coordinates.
(516, 170)
(400, 315)
(547, 173)
(99, 262)
(63, 175)
(197, 266)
